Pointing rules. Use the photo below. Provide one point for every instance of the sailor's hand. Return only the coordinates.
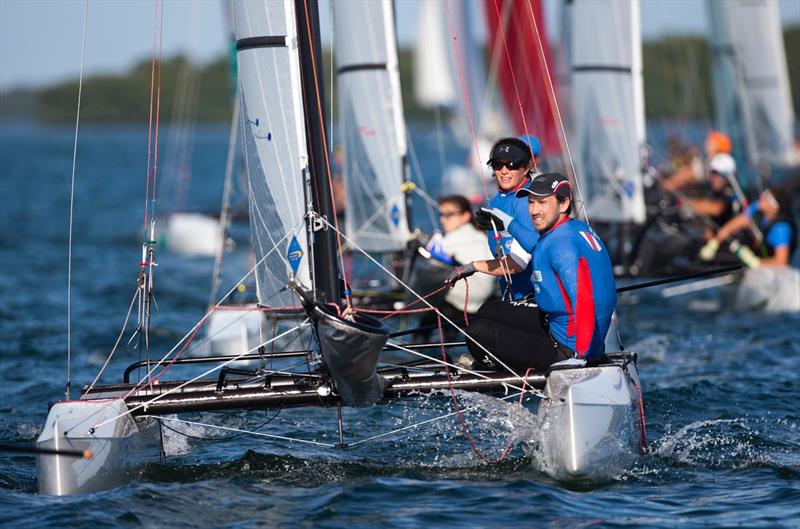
(708, 251)
(490, 219)
(745, 254)
(459, 272)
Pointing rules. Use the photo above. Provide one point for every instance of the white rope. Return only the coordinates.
(72, 203)
(422, 423)
(237, 430)
(422, 184)
(116, 344)
(225, 214)
(558, 115)
(211, 310)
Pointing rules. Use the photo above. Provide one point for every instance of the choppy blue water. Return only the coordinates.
(721, 388)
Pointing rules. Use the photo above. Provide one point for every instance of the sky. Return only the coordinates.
(40, 40)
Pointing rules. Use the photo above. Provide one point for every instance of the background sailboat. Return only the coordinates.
(751, 84)
(372, 126)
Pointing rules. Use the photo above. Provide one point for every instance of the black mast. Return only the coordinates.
(326, 265)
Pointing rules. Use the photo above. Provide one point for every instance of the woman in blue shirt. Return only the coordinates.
(772, 216)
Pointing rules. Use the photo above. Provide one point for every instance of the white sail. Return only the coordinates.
(751, 80)
(276, 157)
(434, 84)
(607, 107)
(372, 124)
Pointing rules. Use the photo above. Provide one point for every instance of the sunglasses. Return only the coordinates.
(448, 214)
(496, 165)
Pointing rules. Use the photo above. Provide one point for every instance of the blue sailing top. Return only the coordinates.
(574, 286)
(523, 232)
(777, 233)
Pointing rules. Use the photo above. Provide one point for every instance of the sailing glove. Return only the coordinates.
(745, 254)
(485, 216)
(459, 272)
(708, 251)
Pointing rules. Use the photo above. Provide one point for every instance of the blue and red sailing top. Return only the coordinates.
(574, 286)
(516, 241)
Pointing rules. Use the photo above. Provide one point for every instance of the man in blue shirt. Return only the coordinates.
(512, 235)
(574, 289)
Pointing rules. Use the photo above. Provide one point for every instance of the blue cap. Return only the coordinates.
(533, 143)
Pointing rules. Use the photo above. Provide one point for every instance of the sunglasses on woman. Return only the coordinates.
(448, 214)
(497, 165)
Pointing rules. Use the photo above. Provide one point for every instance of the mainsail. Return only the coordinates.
(607, 97)
(372, 124)
(276, 143)
(751, 80)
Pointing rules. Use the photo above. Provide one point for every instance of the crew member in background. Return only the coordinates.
(462, 243)
(512, 235)
(722, 202)
(691, 173)
(773, 216)
(574, 286)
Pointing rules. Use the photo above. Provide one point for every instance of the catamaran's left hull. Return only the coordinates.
(119, 448)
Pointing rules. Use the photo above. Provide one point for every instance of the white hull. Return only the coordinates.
(235, 331)
(591, 427)
(193, 234)
(770, 289)
(119, 448)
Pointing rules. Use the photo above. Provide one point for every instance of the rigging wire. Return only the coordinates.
(464, 91)
(408, 288)
(240, 431)
(72, 204)
(160, 396)
(225, 209)
(222, 438)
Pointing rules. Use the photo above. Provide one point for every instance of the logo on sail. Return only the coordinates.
(395, 215)
(294, 254)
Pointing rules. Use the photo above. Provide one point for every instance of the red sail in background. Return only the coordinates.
(522, 75)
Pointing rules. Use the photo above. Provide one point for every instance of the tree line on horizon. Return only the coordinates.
(677, 82)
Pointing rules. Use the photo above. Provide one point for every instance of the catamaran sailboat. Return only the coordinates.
(592, 416)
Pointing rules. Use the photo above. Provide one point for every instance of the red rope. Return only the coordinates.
(466, 301)
(465, 93)
(391, 313)
(641, 417)
(462, 421)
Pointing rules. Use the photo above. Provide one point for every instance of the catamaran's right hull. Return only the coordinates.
(591, 422)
